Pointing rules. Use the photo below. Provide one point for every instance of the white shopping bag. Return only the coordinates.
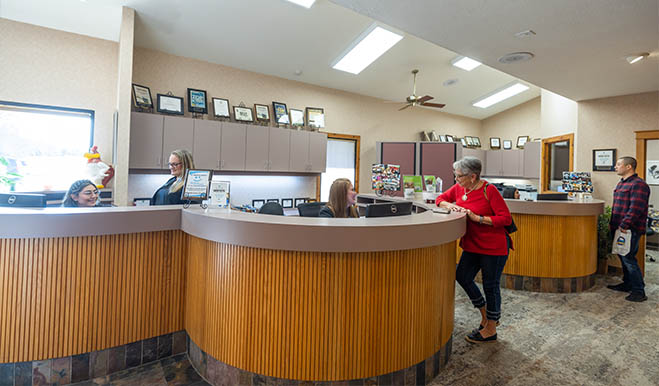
(621, 242)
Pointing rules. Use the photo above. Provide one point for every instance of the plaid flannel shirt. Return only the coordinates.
(630, 204)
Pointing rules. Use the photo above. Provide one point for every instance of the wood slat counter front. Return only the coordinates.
(286, 297)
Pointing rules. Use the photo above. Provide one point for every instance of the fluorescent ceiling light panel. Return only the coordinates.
(303, 3)
(498, 96)
(370, 45)
(465, 63)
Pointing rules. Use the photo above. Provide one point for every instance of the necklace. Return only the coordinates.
(464, 196)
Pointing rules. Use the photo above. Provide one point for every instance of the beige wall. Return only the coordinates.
(518, 121)
(345, 113)
(609, 123)
(45, 66)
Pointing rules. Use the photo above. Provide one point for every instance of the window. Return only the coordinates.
(342, 162)
(42, 147)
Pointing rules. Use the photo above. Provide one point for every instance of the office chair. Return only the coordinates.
(272, 208)
(310, 209)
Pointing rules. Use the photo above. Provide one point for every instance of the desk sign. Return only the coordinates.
(219, 196)
(196, 184)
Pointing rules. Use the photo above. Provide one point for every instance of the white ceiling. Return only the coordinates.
(579, 48)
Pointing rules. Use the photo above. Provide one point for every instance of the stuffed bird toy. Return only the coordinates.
(98, 171)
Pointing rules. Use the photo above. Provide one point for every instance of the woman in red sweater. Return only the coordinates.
(484, 245)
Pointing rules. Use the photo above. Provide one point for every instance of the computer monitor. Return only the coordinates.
(385, 209)
(23, 200)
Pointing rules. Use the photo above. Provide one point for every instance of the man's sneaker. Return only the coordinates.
(636, 297)
(622, 287)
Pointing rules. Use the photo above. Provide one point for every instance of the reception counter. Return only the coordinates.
(259, 296)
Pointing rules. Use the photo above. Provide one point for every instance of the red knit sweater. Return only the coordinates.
(481, 238)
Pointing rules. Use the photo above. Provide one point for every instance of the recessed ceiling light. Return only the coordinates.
(637, 57)
(465, 63)
(369, 46)
(303, 3)
(498, 96)
(516, 57)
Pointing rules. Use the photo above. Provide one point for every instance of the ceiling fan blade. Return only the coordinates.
(438, 105)
(404, 107)
(424, 98)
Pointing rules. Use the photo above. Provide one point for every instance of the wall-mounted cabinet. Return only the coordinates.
(514, 163)
(225, 145)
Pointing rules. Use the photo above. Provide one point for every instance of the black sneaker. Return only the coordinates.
(622, 287)
(636, 297)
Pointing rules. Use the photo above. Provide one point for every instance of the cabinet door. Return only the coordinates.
(317, 152)
(400, 153)
(436, 159)
(145, 141)
(178, 133)
(478, 153)
(256, 148)
(532, 158)
(206, 144)
(510, 163)
(232, 147)
(299, 161)
(279, 149)
(493, 163)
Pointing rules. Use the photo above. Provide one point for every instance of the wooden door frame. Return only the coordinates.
(641, 147)
(546, 151)
(350, 137)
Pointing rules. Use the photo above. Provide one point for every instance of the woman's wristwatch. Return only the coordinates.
(480, 219)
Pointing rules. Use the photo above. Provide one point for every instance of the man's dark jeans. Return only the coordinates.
(631, 272)
(491, 268)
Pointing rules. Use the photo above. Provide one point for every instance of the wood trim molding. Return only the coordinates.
(647, 134)
(546, 162)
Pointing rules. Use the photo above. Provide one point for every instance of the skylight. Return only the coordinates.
(366, 49)
(499, 96)
(465, 63)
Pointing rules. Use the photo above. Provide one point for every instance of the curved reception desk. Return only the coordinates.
(87, 292)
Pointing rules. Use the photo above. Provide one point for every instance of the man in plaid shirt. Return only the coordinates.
(630, 214)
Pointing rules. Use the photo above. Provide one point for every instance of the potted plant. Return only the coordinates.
(604, 241)
(7, 179)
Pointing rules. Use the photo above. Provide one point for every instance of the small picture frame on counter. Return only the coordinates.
(299, 201)
(495, 143)
(507, 144)
(273, 200)
(257, 204)
(286, 202)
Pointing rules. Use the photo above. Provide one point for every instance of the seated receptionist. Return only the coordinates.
(170, 193)
(82, 193)
(341, 203)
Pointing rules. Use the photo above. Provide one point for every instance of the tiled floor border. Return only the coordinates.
(218, 373)
(82, 367)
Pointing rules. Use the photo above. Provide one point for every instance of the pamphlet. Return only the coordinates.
(219, 196)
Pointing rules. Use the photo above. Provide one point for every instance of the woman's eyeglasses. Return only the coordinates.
(89, 192)
(174, 164)
(457, 176)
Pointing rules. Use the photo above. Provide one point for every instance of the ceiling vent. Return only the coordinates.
(516, 57)
(450, 82)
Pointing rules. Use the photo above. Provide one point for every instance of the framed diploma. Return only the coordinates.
(521, 141)
(262, 113)
(442, 138)
(197, 101)
(507, 144)
(297, 118)
(142, 96)
(221, 108)
(196, 183)
(169, 104)
(449, 138)
(315, 117)
(281, 113)
(464, 142)
(243, 114)
(470, 141)
(604, 160)
(477, 141)
(495, 143)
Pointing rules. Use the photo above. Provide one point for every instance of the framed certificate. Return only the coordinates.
(286, 202)
(507, 144)
(299, 201)
(281, 113)
(142, 96)
(297, 118)
(470, 141)
(221, 108)
(604, 160)
(195, 186)
(521, 141)
(197, 101)
(464, 142)
(495, 143)
(442, 138)
(449, 138)
(169, 104)
(315, 117)
(262, 113)
(243, 114)
(477, 141)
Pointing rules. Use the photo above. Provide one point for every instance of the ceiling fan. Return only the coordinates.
(414, 100)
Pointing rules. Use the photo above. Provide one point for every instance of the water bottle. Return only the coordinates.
(438, 188)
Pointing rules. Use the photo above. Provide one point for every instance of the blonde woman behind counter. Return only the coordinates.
(341, 203)
(170, 193)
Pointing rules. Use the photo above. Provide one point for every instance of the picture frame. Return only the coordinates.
(197, 101)
(272, 200)
(196, 184)
(495, 143)
(521, 141)
(477, 141)
(258, 203)
(299, 201)
(262, 113)
(221, 108)
(297, 117)
(652, 172)
(433, 136)
(442, 138)
(604, 160)
(280, 112)
(243, 114)
(469, 140)
(449, 138)
(142, 97)
(169, 104)
(507, 144)
(464, 142)
(315, 117)
(287, 203)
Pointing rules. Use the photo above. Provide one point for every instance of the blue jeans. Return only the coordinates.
(631, 272)
(491, 268)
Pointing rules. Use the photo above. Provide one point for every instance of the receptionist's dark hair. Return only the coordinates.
(629, 161)
(75, 188)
